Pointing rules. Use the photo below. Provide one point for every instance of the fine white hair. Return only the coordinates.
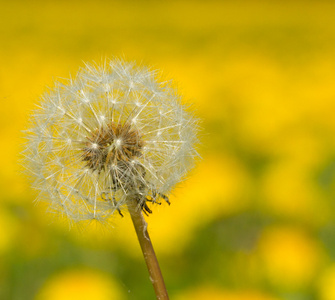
(112, 133)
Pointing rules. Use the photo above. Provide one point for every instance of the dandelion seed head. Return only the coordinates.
(112, 134)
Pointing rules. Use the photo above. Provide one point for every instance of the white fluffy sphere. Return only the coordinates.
(114, 133)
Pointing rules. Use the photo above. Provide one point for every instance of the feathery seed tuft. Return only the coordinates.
(114, 133)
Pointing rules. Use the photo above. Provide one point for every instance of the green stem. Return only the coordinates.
(148, 250)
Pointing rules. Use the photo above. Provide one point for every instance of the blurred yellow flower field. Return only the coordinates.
(255, 219)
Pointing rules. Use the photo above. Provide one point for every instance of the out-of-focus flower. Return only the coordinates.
(83, 284)
(208, 292)
(114, 133)
(326, 284)
(290, 257)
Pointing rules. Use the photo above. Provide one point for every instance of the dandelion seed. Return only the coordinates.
(113, 134)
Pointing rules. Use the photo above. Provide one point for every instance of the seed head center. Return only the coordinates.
(118, 143)
(112, 145)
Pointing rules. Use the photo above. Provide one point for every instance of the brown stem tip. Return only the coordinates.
(150, 258)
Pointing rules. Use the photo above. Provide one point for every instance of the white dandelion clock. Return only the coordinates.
(113, 134)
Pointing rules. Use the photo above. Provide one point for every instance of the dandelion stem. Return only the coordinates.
(150, 258)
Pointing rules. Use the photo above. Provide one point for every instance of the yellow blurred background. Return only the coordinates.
(256, 218)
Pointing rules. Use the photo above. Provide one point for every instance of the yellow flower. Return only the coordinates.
(80, 285)
(212, 293)
(291, 258)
